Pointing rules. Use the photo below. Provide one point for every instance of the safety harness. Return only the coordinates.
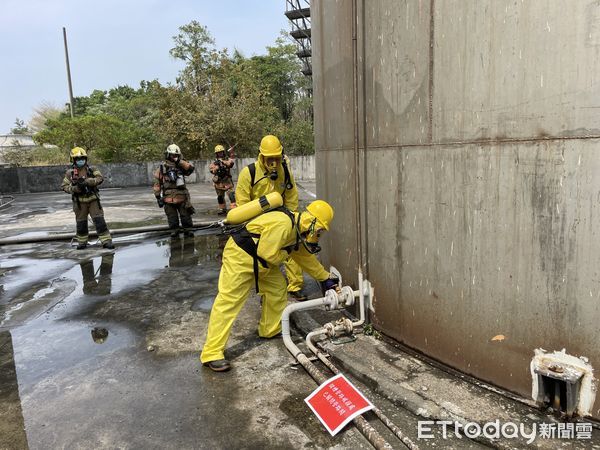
(89, 190)
(245, 240)
(287, 179)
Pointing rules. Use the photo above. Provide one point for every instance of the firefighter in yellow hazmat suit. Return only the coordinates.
(271, 173)
(251, 258)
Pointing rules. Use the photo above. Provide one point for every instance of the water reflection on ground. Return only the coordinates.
(71, 320)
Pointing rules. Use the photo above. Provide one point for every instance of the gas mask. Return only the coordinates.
(272, 164)
(310, 238)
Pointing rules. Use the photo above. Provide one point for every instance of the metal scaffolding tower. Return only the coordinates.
(298, 13)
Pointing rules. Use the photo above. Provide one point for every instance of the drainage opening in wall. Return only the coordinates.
(563, 382)
(558, 389)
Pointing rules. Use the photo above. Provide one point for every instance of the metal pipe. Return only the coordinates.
(361, 300)
(365, 196)
(68, 73)
(386, 421)
(357, 202)
(370, 433)
(326, 301)
(68, 236)
(336, 328)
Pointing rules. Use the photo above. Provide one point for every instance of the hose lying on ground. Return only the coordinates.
(68, 236)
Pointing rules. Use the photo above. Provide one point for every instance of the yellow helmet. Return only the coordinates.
(219, 148)
(270, 146)
(322, 211)
(78, 152)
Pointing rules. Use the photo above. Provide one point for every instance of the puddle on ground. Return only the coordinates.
(30, 287)
(17, 273)
(52, 320)
(45, 347)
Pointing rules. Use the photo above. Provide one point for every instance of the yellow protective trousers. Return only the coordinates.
(293, 272)
(235, 282)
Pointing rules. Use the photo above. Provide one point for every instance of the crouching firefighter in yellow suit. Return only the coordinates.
(251, 258)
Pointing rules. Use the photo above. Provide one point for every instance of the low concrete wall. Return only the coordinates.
(20, 180)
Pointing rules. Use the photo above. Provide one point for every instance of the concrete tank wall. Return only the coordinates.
(49, 178)
(478, 198)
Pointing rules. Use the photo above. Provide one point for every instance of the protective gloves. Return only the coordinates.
(330, 283)
(160, 202)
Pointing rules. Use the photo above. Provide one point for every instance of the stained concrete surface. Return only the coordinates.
(474, 185)
(99, 349)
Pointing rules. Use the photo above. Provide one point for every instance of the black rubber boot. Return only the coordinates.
(81, 246)
(220, 365)
(298, 295)
(108, 244)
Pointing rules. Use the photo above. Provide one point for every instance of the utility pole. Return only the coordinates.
(68, 72)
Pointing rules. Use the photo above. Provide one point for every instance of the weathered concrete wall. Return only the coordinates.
(478, 192)
(49, 178)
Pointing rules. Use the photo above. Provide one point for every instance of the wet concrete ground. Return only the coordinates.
(99, 349)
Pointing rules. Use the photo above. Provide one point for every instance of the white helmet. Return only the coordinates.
(172, 149)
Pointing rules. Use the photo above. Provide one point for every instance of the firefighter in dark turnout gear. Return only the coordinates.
(172, 194)
(222, 181)
(82, 181)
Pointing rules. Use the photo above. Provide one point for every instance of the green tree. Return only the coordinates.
(19, 128)
(279, 74)
(218, 97)
(105, 137)
(194, 45)
(91, 104)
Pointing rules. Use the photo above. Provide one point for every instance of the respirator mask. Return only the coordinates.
(272, 164)
(80, 162)
(310, 238)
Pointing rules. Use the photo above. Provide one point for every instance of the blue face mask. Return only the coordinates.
(80, 163)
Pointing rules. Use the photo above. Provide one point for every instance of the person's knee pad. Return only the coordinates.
(100, 224)
(82, 227)
(221, 199)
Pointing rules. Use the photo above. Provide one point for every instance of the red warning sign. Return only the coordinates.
(336, 402)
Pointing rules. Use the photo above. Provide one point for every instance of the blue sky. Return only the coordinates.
(111, 43)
